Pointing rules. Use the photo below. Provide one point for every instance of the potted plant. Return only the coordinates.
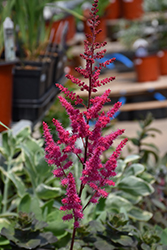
(113, 9)
(162, 46)
(102, 25)
(135, 37)
(132, 9)
(6, 77)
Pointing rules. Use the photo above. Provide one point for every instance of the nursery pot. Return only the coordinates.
(113, 10)
(162, 55)
(147, 68)
(102, 35)
(132, 9)
(60, 30)
(6, 87)
(31, 81)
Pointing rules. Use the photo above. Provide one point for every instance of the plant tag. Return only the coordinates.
(160, 53)
(43, 77)
(138, 61)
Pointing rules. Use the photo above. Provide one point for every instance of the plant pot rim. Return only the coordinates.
(3, 63)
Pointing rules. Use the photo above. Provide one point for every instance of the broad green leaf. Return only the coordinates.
(103, 245)
(8, 233)
(33, 145)
(114, 203)
(35, 207)
(124, 240)
(131, 198)
(147, 177)
(30, 165)
(135, 141)
(145, 246)
(135, 186)
(139, 214)
(96, 226)
(4, 223)
(47, 208)
(25, 204)
(42, 169)
(134, 169)
(31, 244)
(46, 192)
(55, 223)
(18, 183)
(164, 237)
(23, 134)
(131, 158)
(120, 168)
(3, 242)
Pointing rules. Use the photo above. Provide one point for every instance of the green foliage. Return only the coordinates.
(155, 5)
(59, 113)
(24, 171)
(27, 233)
(145, 149)
(117, 232)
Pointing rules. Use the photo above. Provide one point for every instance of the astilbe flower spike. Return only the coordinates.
(94, 174)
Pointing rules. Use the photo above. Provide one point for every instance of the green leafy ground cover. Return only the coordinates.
(132, 217)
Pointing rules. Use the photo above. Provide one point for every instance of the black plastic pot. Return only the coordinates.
(35, 109)
(31, 81)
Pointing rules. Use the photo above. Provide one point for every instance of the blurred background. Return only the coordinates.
(41, 41)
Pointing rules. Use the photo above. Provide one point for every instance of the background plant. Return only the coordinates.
(143, 148)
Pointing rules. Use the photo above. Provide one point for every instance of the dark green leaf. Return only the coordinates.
(103, 245)
(31, 244)
(164, 237)
(145, 246)
(25, 204)
(124, 240)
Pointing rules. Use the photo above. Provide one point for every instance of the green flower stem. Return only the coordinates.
(5, 196)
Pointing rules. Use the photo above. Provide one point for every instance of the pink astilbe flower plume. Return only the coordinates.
(95, 174)
(72, 202)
